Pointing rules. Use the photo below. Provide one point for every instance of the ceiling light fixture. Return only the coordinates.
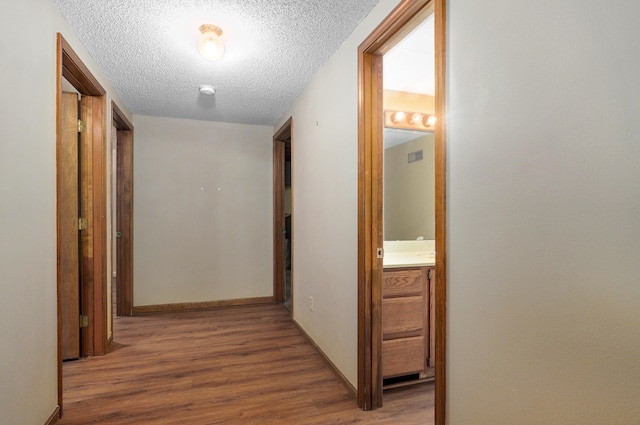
(210, 44)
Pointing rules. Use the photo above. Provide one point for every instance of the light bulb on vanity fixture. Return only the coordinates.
(416, 118)
(429, 120)
(210, 44)
(398, 117)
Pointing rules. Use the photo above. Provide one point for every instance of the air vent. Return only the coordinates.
(415, 156)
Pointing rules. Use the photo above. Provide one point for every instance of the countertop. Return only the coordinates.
(409, 254)
(418, 259)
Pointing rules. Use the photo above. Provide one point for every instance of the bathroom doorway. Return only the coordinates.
(398, 24)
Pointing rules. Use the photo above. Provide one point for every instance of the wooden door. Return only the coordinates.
(124, 222)
(68, 207)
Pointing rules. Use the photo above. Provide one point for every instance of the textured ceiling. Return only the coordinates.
(148, 51)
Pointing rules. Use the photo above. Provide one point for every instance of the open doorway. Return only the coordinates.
(408, 356)
(82, 226)
(402, 21)
(122, 213)
(283, 215)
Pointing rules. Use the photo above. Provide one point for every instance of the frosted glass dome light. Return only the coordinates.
(210, 44)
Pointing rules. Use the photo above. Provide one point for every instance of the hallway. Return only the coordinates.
(242, 365)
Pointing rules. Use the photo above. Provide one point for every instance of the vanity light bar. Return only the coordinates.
(410, 120)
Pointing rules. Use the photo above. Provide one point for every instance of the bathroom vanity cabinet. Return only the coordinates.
(408, 322)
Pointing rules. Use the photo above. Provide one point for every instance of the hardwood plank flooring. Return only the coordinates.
(237, 365)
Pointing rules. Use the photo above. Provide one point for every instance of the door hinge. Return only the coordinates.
(82, 126)
(82, 223)
(84, 321)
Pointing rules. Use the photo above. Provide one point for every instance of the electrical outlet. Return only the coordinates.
(310, 303)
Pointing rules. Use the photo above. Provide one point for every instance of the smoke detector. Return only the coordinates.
(207, 90)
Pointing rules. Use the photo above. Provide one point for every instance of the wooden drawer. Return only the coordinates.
(402, 282)
(403, 317)
(403, 356)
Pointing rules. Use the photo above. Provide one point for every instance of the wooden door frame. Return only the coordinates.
(124, 212)
(370, 219)
(281, 136)
(93, 192)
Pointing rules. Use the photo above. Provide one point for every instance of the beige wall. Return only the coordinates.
(28, 333)
(544, 194)
(409, 191)
(203, 211)
(408, 102)
(325, 176)
(544, 209)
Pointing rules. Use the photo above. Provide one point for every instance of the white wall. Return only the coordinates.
(325, 190)
(28, 332)
(203, 211)
(544, 212)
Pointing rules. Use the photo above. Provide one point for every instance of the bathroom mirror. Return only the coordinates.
(409, 117)
(409, 184)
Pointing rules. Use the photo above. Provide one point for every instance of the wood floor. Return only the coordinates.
(242, 365)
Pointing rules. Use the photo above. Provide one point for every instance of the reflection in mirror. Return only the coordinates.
(409, 185)
(409, 163)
